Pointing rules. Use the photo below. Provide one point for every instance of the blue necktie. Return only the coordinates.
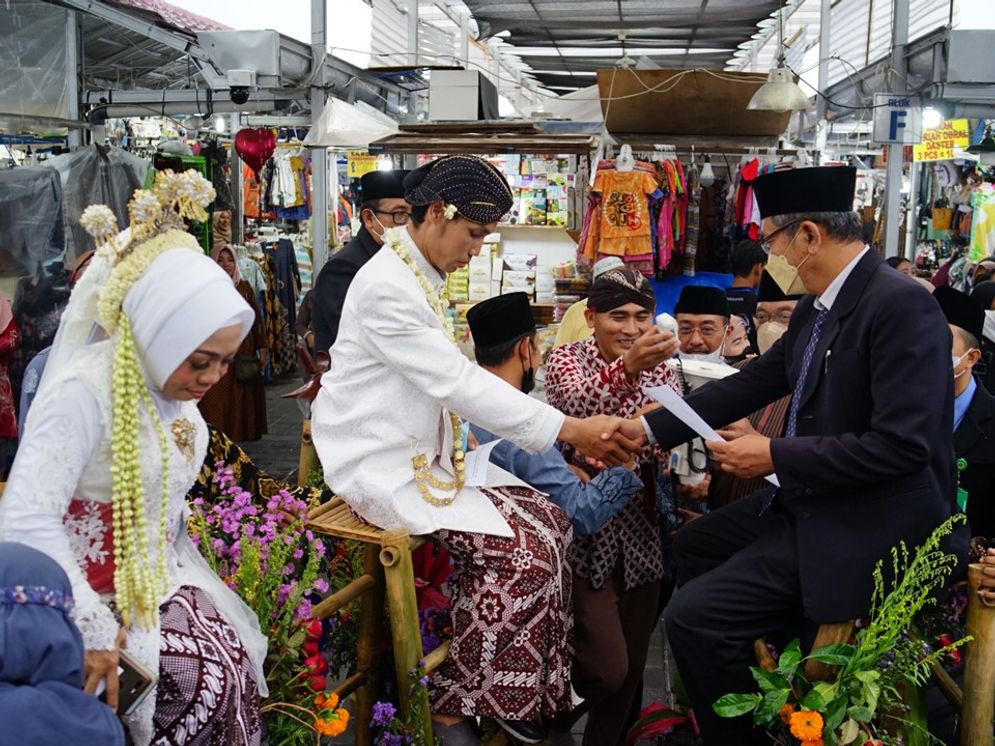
(796, 395)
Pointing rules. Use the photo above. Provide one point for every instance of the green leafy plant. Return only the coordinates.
(873, 698)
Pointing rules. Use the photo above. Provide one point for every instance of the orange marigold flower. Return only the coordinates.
(332, 701)
(816, 742)
(786, 712)
(320, 700)
(806, 725)
(331, 727)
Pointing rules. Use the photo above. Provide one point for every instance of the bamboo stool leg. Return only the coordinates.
(308, 460)
(395, 555)
(368, 645)
(979, 668)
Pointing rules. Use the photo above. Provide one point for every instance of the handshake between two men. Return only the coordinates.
(615, 441)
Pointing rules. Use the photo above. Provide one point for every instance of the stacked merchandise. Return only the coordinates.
(542, 188)
(479, 271)
(519, 274)
(572, 283)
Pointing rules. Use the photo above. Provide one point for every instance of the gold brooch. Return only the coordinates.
(184, 432)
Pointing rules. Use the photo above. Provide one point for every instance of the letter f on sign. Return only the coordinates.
(897, 123)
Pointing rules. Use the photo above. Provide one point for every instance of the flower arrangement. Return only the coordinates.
(874, 697)
(450, 211)
(266, 554)
(390, 728)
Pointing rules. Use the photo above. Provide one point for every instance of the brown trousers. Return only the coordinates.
(612, 631)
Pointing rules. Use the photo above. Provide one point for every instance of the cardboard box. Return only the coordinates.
(479, 291)
(461, 95)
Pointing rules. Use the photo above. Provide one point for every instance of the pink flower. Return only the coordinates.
(321, 585)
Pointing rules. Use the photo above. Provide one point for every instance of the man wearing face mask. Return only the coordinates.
(974, 413)
(702, 314)
(864, 461)
(618, 569)
(504, 338)
(383, 207)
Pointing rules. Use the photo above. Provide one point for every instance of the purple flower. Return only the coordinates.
(303, 611)
(319, 547)
(383, 713)
(321, 585)
(423, 681)
(309, 535)
(298, 553)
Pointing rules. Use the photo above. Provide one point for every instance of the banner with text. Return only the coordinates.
(938, 144)
(360, 162)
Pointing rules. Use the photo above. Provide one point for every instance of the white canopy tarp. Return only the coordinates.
(345, 125)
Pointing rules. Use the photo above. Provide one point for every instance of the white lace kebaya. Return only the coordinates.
(66, 454)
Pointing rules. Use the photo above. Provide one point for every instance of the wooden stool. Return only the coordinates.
(387, 571)
(308, 459)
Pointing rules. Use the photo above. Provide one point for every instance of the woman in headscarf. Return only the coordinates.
(10, 339)
(113, 442)
(388, 429)
(41, 658)
(237, 404)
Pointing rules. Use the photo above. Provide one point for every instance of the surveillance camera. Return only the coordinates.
(240, 82)
(239, 94)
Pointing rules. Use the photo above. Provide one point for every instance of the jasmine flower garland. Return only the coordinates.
(424, 477)
(140, 574)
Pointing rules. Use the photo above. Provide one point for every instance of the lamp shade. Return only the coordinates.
(779, 93)
(985, 150)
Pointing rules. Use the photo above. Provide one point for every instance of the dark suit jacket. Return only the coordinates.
(872, 463)
(974, 441)
(331, 285)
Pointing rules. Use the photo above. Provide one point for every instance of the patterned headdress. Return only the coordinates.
(470, 186)
(618, 287)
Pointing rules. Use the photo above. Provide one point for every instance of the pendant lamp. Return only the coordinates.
(707, 176)
(780, 92)
(985, 150)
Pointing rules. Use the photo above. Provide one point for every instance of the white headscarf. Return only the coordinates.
(181, 300)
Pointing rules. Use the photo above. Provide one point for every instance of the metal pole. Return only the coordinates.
(237, 182)
(912, 216)
(319, 154)
(822, 106)
(72, 77)
(464, 42)
(413, 33)
(893, 185)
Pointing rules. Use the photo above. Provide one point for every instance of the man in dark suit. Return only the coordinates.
(974, 413)
(383, 207)
(865, 460)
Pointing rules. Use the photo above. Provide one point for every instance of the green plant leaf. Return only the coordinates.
(787, 664)
(770, 707)
(837, 711)
(769, 681)
(734, 705)
(849, 731)
(812, 701)
(837, 654)
(860, 714)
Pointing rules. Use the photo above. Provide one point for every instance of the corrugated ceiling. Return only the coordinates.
(559, 38)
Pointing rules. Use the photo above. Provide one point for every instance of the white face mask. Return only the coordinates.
(785, 274)
(383, 229)
(956, 361)
(768, 333)
(706, 357)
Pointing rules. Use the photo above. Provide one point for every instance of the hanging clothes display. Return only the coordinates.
(982, 223)
(620, 217)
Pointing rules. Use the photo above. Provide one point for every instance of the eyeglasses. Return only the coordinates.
(400, 217)
(765, 240)
(706, 330)
(784, 317)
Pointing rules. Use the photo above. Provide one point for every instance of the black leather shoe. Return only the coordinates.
(525, 731)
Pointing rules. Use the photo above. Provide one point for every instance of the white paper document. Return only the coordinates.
(674, 404)
(476, 464)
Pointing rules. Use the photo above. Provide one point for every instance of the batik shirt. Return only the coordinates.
(581, 383)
